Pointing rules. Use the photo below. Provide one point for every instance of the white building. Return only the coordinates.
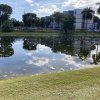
(77, 13)
(78, 19)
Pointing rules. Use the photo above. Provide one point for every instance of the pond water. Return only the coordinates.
(35, 55)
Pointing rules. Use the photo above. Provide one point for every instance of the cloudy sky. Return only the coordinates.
(45, 7)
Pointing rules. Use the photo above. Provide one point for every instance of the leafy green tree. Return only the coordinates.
(48, 20)
(98, 11)
(38, 22)
(5, 12)
(16, 23)
(7, 26)
(87, 14)
(58, 17)
(65, 22)
(42, 22)
(97, 20)
(68, 23)
(29, 19)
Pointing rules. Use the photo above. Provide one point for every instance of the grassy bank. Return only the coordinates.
(30, 34)
(51, 33)
(86, 34)
(72, 85)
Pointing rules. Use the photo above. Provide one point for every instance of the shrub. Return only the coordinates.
(7, 26)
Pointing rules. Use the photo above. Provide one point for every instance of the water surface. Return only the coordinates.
(35, 55)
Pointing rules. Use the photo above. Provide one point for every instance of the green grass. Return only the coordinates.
(50, 33)
(86, 34)
(31, 34)
(72, 85)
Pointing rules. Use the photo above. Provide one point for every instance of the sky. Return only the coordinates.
(46, 7)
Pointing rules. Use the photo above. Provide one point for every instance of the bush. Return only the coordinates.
(7, 26)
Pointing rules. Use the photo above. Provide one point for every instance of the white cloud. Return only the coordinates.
(29, 1)
(37, 4)
(38, 61)
(51, 67)
(32, 4)
(79, 3)
(47, 10)
(29, 53)
(75, 4)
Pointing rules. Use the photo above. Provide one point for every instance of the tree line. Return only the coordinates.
(56, 20)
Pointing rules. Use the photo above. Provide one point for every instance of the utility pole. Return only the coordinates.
(23, 21)
(98, 11)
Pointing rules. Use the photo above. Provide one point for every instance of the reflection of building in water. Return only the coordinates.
(69, 46)
(64, 45)
(83, 47)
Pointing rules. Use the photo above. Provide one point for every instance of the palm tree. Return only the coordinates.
(98, 10)
(87, 14)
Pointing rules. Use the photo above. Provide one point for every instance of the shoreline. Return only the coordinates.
(75, 34)
(53, 72)
(76, 85)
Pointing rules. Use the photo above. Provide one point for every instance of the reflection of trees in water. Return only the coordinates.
(96, 56)
(29, 44)
(65, 45)
(57, 44)
(84, 53)
(6, 49)
(86, 48)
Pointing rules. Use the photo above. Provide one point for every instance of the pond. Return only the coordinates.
(35, 55)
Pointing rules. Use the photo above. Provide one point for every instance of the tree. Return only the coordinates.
(42, 22)
(29, 19)
(96, 20)
(16, 23)
(38, 22)
(5, 12)
(98, 10)
(7, 26)
(58, 17)
(68, 23)
(87, 14)
(46, 21)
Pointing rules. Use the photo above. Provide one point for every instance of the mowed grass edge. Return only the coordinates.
(70, 85)
(31, 34)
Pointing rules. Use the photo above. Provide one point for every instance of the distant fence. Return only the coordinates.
(31, 29)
